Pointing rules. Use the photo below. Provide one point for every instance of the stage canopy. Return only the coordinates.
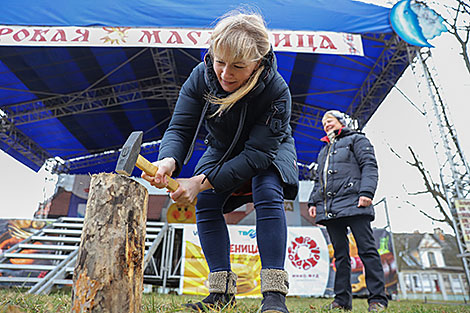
(77, 77)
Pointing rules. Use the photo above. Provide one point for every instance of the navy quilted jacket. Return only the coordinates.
(264, 138)
(351, 172)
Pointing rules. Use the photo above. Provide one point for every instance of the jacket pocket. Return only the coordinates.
(286, 163)
(350, 187)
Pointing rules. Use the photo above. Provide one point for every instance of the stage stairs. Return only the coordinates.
(47, 258)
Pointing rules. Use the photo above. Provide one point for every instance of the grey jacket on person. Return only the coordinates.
(253, 135)
(347, 169)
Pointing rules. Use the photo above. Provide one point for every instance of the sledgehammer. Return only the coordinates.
(130, 157)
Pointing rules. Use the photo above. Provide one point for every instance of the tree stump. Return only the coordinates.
(108, 275)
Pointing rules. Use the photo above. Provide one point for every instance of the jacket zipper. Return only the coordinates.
(280, 172)
(270, 117)
(327, 161)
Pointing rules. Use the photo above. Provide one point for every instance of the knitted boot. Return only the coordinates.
(274, 287)
(222, 290)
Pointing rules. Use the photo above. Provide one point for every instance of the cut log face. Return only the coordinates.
(108, 276)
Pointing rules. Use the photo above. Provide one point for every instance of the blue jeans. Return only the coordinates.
(271, 228)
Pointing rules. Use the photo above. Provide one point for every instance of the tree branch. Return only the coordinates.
(456, 18)
(442, 220)
(430, 187)
(433, 188)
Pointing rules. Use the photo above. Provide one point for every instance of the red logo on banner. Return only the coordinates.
(304, 253)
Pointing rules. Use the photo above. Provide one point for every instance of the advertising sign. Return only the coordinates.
(307, 261)
(12, 232)
(463, 212)
(282, 40)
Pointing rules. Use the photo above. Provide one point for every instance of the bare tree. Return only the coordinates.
(431, 187)
(456, 15)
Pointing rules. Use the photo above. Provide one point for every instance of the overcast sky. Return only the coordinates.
(396, 124)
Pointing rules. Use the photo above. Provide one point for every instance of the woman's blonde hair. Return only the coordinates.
(239, 36)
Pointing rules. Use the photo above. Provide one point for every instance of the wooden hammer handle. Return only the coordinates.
(151, 169)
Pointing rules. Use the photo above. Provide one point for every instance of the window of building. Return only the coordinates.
(456, 284)
(447, 285)
(465, 284)
(417, 283)
(432, 259)
(435, 283)
(427, 286)
(408, 283)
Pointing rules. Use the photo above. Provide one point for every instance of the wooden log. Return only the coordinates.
(108, 275)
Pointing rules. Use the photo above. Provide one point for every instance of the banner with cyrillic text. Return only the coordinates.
(462, 207)
(282, 40)
(307, 261)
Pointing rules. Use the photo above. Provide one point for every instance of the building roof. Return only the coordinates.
(407, 247)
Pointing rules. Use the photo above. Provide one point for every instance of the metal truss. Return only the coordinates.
(382, 76)
(109, 156)
(59, 244)
(22, 144)
(450, 155)
(163, 86)
(307, 171)
(93, 99)
(307, 115)
(453, 167)
(166, 70)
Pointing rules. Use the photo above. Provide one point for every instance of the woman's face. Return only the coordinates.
(330, 124)
(232, 76)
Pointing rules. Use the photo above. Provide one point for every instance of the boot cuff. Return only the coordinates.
(223, 282)
(274, 280)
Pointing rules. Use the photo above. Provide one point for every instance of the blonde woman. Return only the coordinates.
(245, 106)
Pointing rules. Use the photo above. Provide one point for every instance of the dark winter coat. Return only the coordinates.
(351, 173)
(260, 121)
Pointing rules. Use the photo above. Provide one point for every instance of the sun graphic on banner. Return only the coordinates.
(303, 253)
(247, 268)
(181, 213)
(116, 35)
(196, 270)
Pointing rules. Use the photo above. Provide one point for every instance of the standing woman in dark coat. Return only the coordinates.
(345, 185)
(246, 107)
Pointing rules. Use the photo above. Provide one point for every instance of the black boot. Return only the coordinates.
(274, 287)
(274, 302)
(222, 290)
(214, 301)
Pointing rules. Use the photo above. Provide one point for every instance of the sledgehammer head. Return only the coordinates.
(129, 153)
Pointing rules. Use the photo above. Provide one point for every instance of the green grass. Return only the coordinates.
(19, 301)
